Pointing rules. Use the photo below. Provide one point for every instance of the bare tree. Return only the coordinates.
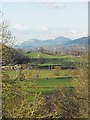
(6, 36)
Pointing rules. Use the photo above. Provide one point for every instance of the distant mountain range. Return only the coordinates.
(62, 41)
(80, 41)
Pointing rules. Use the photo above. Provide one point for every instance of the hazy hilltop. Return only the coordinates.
(59, 41)
(39, 43)
(80, 41)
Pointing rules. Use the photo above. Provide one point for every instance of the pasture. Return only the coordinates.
(47, 82)
(47, 61)
(39, 80)
(45, 55)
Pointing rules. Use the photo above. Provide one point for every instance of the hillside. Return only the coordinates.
(43, 55)
(39, 43)
(79, 41)
(57, 42)
(12, 56)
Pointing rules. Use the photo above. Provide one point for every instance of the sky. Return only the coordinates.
(46, 20)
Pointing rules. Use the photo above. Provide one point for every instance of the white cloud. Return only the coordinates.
(73, 32)
(76, 34)
(55, 4)
(20, 27)
(44, 28)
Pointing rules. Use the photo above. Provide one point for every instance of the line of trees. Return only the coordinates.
(12, 56)
(9, 54)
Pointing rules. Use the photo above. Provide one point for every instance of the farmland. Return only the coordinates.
(47, 82)
(47, 60)
(44, 61)
(45, 55)
(44, 78)
(47, 77)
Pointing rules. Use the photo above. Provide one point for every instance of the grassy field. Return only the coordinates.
(45, 73)
(46, 87)
(43, 55)
(47, 82)
(63, 60)
(40, 54)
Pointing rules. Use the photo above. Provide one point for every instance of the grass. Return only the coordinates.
(45, 73)
(63, 60)
(46, 86)
(53, 83)
(47, 82)
(42, 84)
(43, 55)
(40, 54)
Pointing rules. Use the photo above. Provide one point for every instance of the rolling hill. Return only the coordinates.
(39, 43)
(79, 41)
(59, 41)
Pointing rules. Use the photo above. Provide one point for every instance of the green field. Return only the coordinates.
(40, 54)
(43, 55)
(47, 82)
(46, 87)
(45, 73)
(63, 60)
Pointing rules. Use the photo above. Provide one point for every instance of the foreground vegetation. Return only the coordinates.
(47, 81)
(48, 95)
(45, 93)
(32, 92)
